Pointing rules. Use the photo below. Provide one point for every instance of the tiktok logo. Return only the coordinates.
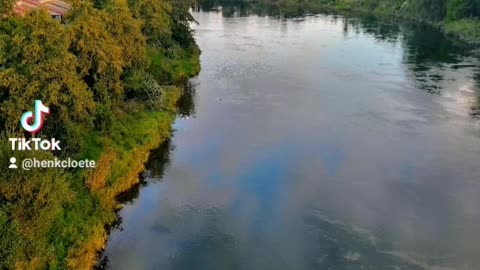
(33, 121)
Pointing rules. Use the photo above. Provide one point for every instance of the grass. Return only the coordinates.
(122, 158)
(175, 65)
(466, 29)
(344, 6)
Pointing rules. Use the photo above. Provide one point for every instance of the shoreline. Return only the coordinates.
(461, 30)
(88, 254)
(452, 29)
(465, 30)
(122, 154)
(113, 100)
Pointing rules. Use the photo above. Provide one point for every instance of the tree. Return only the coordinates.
(127, 32)
(155, 16)
(182, 18)
(99, 56)
(6, 7)
(457, 9)
(35, 64)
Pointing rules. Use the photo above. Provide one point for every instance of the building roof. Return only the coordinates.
(54, 7)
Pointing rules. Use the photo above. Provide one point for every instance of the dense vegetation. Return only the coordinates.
(103, 73)
(459, 17)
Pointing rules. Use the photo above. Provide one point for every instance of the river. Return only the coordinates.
(316, 142)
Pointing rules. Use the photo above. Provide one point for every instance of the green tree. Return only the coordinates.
(457, 9)
(155, 16)
(31, 202)
(100, 57)
(127, 33)
(181, 19)
(81, 70)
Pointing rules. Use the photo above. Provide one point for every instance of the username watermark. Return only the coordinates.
(55, 163)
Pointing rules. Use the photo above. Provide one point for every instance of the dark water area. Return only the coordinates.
(314, 142)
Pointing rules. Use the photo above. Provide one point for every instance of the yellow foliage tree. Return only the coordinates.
(127, 32)
(99, 56)
(35, 63)
(155, 15)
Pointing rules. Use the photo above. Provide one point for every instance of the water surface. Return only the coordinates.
(320, 142)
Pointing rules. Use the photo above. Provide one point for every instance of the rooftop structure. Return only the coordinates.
(56, 8)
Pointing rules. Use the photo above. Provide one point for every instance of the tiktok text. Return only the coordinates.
(22, 144)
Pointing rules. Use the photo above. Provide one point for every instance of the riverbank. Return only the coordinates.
(454, 18)
(464, 29)
(467, 30)
(69, 231)
(112, 99)
(121, 156)
(120, 160)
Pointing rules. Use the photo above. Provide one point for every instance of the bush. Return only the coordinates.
(456, 9)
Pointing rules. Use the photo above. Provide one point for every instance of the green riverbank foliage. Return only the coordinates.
(103, 73)
(458, 17)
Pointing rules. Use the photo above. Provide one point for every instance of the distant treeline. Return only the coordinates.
(433, 9)
(460, 17)
(104, 73)
(429, 9)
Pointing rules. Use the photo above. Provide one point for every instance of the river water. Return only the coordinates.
(321, 142)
